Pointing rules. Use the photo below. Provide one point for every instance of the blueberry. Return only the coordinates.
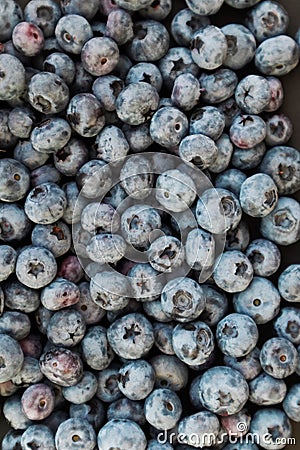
(170, 372)
(193, 342)
(75, 433)
(93, 412)
(223, 390)
(59, 294)
(91, 312)
(178, 60)
(182, 299)
(45, 204)
(50, 135)
(262, 204)
(163, 409)
(209, 47)
(282, 224)
(144, 282)
(266, 20)
(11, 14)
(163, 337)
(241, 4)
(241, 45)
(232, 180)
(216, 305)
(96, 349)
(29, 374)
(72, 32)
(61, 366)
(166, 254)
(13, 413)
(62, 65)
(14, 180)
(237, 335)
(111, 144)
(44, 13)
(150, 41)
(199, 429)
(131, 336)
(288, 283)
(137, 224)
(272, 427)
(279, 129)
(145, 72)
(14, 223)
(277, 55)
(230, 110)
(124, 408)
(204, 7)
(106, 248)
(122, 433)
(291, 403)
(119, 26)
(12, 82)
(246, 131)
(37, 401)
(87, 10)
(223, 156)
(260, 300)
(249, 158)
(109, 290)
(186, 92)
(265, 390)
(278, 357)
(35, 267)
(233, 271)
(154, 310)
(265, 257)
(253, 94)
(168, 126)
(94, 178)
(207, 120)
(27, 155)
(108, 388)
(99, 56)
(184, 24)
(83, 80)
(66, 328)
(277, 94)
(11, 357)
(157, 11)
(199, 150)
(249, 366)
(75, 203)
(136, 379)
(12, 440)
(218, 210)
(48, 93)
(175, 190)
(287, 324)
(231, 425)
(136, 176)
(37, 435)
(83, 391)
(20, 121)
(282, 164)
(8, 258)
(28, 38)
(16, 324)
(45, 174)
(100, 218)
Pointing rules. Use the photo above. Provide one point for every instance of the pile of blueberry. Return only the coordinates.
(146, 191)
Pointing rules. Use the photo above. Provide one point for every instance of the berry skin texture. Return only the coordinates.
(28, 38)
(110, 290)
(12, 80)
(175, 190)
(288, 283)
(274, 424)
(291, 403)
(199, 150)
(249, 366)
(265, 257)
(237, 335)
(168, 126)
(122, 433)
(38, 401)
(233, 271)
(136, 379)
(86, 115)
(260, 300)
(246, 131)
(287, 324)
(39, 435)
(163, 409)
(209, 47)
(99, 56)
(258, 195)
(253, 94)
(241, 46)
(14, 180)
(43, 13)
(36, 267)
(279, 357)
(268, 19)
(45, 204)
(204, 425)
(48, 93)
(11, 357)
(150, 41)
(277, 56)
(61, 366)
(266, 390)
(282, 224)
(223, 390)
(75, 433)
